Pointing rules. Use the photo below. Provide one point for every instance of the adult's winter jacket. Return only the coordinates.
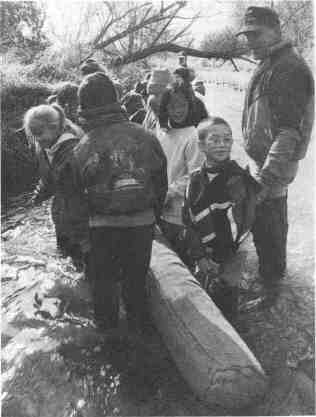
(278, 117)
(122, 170)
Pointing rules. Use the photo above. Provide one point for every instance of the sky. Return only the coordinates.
(215, 15)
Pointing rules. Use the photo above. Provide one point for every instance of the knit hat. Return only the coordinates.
(68, 92)
(95, 91)
(90, 66)
(258, 17)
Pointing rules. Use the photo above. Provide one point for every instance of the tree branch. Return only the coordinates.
(152, 19)
(171, 47)
(234, 65)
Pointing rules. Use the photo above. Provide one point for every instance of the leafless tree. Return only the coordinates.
(139, 30)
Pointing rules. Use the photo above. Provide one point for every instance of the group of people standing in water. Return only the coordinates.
(153, 162)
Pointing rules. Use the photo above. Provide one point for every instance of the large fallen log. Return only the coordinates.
(209, 353)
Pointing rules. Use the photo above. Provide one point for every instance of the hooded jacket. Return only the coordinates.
(278, 117)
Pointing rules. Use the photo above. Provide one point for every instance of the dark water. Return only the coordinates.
(47, 324)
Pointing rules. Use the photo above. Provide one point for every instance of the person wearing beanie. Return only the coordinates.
(120, 169)
(55, 137)
(277, 122)
(90, 66)
(67, 98)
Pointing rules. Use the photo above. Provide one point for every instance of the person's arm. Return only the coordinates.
(196, 249)
(193, 159)
(192, 237)
(163, 110)
(159, 175)
(45, 187)
(290, 89)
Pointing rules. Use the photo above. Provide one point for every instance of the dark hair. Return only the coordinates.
(67, 93)
(205, 125)
(91, 66)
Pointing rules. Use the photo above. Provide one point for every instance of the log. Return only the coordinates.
(210, 355)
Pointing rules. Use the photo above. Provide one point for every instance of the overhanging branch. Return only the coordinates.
(171, 47)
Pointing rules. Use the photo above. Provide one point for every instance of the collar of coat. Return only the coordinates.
(276, 48)
(102, 116)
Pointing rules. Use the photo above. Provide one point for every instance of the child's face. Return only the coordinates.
(47, 134)
(217, 144)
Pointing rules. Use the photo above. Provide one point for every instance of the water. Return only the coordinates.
(55, 363)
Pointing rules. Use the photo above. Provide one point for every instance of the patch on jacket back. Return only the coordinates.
(118, 180)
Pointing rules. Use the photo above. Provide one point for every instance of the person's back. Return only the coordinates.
(121, 169)
(124, 154)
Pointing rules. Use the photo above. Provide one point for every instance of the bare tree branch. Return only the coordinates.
(294, 12)
(185, 29)
(115, 20)
(155, 18)
(171, 47)
(234, 65)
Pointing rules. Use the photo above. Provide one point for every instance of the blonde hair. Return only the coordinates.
(39, 117)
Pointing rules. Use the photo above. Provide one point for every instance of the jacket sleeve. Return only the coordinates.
(163, 109)
(45, 187)
(61, 165)
(193, 159)
(192, 237)
(159, 175)
(289, 93)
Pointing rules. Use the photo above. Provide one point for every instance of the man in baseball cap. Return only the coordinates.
(262, 30)
(277, 123)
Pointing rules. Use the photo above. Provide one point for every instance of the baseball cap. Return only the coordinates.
(258, 17)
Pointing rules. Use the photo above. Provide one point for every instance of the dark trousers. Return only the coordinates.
(270, 237)
(119, 254)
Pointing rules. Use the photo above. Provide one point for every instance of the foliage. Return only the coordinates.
(22, 29)
(18, 163)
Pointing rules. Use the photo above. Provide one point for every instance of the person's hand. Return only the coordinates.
(208, 267)
(207, 271)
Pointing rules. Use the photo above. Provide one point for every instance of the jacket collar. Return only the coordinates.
(278, 48)
(102, 116)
